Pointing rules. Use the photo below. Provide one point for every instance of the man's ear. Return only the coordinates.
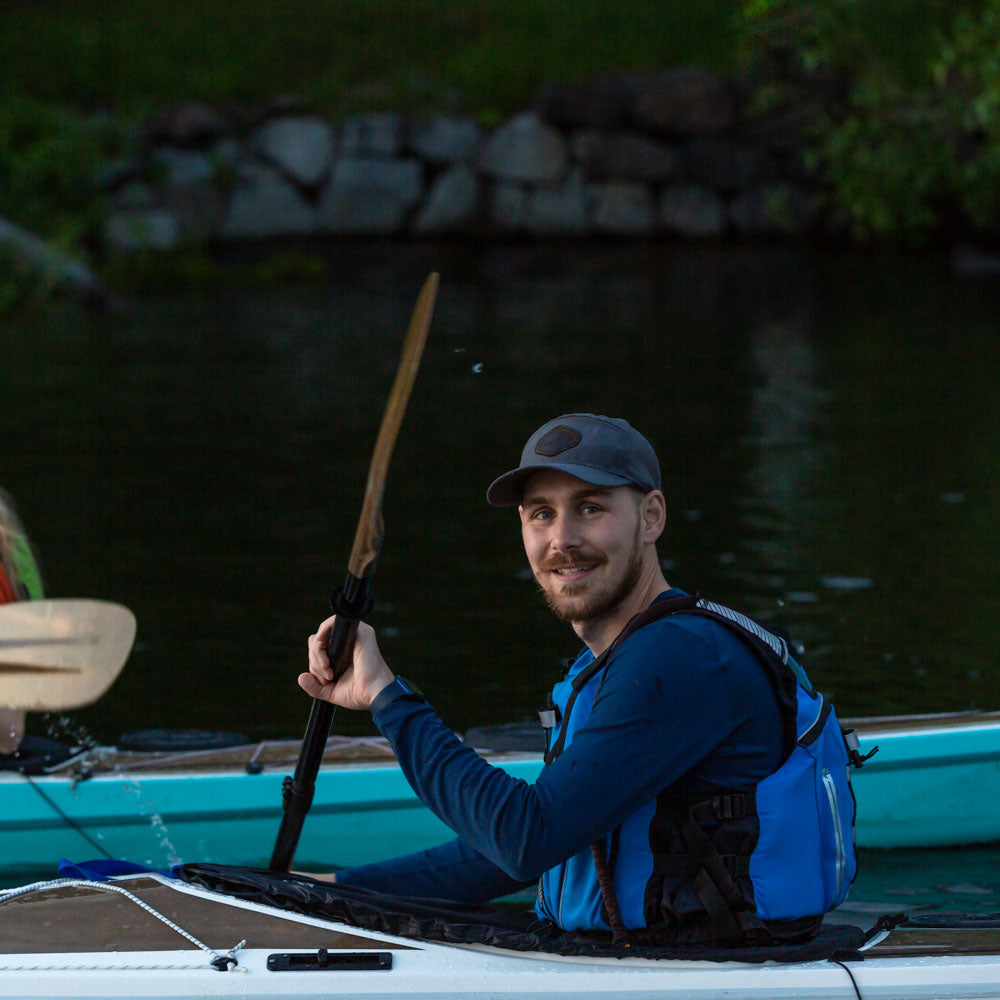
(653, 515)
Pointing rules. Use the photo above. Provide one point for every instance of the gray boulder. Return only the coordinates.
(559, 211)
(115, 174)
(727, 166)
(525, 150)
(508, 207)
(132, 196)
(264, 205)
(198, 209)
(182, 166)
(142, 229)
(446, 138)
(684, 101)
(623, 156)
(367, 195)
(226, 153)
(693, 211)
(622, 208)
(301, 148)
(452, 203)
(377, 134)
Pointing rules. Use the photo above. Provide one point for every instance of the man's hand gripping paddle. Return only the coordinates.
(353, 600)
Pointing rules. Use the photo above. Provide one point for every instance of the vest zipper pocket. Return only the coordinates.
(838, 832)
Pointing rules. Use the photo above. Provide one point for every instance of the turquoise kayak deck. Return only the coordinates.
(935, 781)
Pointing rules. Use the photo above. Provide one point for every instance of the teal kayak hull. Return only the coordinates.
(935, 781)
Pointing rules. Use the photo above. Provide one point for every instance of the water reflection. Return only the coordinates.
(827, 427)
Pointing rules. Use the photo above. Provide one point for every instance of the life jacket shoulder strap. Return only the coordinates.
(657, 610)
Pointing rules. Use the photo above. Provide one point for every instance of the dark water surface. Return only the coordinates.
(828, 428)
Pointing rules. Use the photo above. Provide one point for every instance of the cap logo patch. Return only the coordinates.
(558, 440)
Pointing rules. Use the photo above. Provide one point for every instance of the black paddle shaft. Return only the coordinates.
(351, 603)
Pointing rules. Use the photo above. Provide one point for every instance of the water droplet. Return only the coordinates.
(953, 496)
(725, 558)
(477, 367)
(459, 350)
(801, 597)
(692, 515)
(975, 675)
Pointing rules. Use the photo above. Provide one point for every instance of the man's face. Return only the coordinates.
(583, 542)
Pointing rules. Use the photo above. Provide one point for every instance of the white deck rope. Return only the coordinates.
(227, 960)
(190, 966)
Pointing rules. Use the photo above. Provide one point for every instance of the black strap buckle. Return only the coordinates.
(729, 807)
(853, 745)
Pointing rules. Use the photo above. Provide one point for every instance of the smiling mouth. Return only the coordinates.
(573, 570)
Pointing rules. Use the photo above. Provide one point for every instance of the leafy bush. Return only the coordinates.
(916, 141)
(48, 160)
(967, 78)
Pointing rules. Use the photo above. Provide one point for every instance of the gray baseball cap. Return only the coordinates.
(605, 451)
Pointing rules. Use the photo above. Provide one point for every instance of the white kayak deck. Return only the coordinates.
(97, 945)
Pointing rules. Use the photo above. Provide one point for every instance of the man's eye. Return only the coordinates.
(542, 515)
(590, 508)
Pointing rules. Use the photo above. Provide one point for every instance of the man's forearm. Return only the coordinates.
(449, 871)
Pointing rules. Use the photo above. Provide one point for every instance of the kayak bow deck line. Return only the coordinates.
(61, 654)
(353, 601)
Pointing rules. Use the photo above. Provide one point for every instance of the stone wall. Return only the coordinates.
(666, 154)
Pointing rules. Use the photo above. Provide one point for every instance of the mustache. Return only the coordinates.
(567, 562)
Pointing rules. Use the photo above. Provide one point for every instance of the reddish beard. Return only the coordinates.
(600, 604)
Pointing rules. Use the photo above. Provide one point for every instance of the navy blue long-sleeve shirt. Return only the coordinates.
(684, 703)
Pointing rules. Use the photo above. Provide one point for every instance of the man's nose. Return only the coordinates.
(565, 534)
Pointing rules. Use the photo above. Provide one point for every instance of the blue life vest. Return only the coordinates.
(749, 866)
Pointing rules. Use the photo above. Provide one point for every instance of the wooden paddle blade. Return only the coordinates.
(368, 537)
(61, 654)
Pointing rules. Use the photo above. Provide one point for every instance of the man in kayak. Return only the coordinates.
(673, 724)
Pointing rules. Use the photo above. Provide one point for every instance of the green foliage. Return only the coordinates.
(917, 140)
(23, 287)
(967, 78)
(48, 161)
(886, 163)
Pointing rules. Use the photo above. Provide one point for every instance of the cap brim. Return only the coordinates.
(508, 489)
